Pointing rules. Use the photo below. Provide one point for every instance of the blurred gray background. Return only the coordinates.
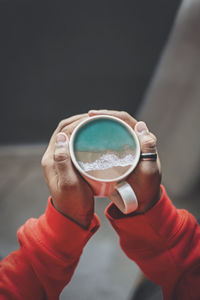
(68, 57)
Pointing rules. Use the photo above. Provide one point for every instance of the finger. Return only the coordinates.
(72, 122)
(147, 140)
(62, 161)
(123, 115)
(70, 128)
(65, 123)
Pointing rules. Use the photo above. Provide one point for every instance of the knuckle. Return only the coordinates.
(154, 138)
(61, 124)
(59, 157)
(44, 162)
(149, 142)
(68, 184)
(47, 162)
(150, 169)
(125, 115)
(64, 185)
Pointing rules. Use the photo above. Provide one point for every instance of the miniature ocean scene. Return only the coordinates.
(104, 148)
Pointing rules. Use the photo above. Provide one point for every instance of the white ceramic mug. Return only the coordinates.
(105, 150)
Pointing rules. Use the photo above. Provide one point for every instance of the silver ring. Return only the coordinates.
(148, 156)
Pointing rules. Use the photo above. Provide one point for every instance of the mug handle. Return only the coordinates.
(124, 197)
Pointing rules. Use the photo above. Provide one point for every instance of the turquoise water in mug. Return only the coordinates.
(103, 134)
(104, 148)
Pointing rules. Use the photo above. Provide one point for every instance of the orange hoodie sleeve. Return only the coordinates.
(50, 248)
(165, 243)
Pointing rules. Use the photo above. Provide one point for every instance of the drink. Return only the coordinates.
(105, 149)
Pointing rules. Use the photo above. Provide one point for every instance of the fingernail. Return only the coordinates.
(141, 128)
(92, 111)
(61, 138)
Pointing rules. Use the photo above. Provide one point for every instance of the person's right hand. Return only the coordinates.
(146, 178)
(71, 194)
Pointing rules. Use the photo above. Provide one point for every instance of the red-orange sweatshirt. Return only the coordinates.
(164, 242)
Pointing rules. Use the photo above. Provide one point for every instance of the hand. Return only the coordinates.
(146, 178)
(71, 194)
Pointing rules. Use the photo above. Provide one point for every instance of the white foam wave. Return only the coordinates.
(107, 161)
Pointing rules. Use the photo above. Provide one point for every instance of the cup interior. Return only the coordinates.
(104, 148)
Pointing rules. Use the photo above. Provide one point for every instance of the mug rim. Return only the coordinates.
(129, 128)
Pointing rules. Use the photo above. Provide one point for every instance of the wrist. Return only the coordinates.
(115, 213)
(81, 217)
(147, 205)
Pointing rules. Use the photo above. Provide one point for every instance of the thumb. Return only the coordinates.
(62, 159)
(147, 140)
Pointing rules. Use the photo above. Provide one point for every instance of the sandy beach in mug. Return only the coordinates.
(91, 156)
(110, 173)
(108, 164)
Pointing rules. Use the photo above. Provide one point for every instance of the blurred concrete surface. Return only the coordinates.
(104, 272)
(171, 107)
